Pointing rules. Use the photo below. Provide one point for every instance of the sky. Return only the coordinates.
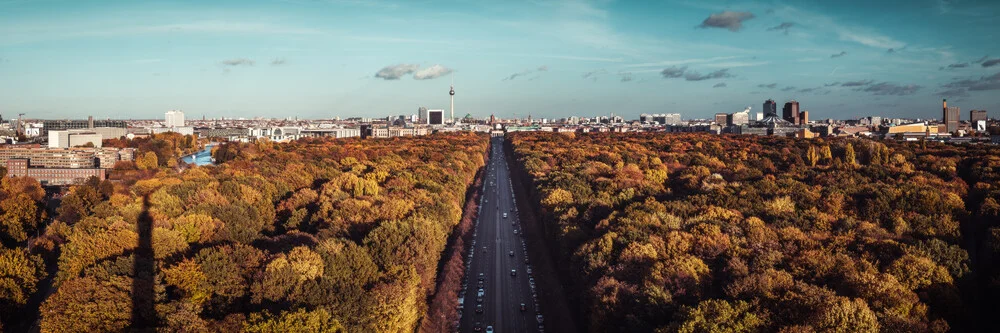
(548, 59)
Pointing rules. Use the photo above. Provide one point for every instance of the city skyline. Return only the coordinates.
(325, 59)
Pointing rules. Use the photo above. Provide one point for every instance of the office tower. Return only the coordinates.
(720, 118)
(791, 112)
(422, 114)
(804, 118)
(950, 117)
(435, 117)
(977, 115)
(174, 118)
(770, 108)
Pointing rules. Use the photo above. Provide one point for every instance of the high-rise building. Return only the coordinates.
(804, 118)
(791, 112)
(435, 117)
(770, 108)
(977, 115)
(721, 118)
(422, 115)
(174, 118)
(950, 117)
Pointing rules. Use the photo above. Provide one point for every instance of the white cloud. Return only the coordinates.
(873, 40)
(432, 72)
(681, 62)
(394, 72)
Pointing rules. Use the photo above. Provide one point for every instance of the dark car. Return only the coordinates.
(511, 253)
(523, 307)
(479, 308)
(513, 272)
(478, 327)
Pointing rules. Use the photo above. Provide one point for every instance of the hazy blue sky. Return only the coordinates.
(320, 59)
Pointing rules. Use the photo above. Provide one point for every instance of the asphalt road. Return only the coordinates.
(493, 241)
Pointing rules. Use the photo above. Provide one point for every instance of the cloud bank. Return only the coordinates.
(727, 20)
(432, 72)
(395, 72)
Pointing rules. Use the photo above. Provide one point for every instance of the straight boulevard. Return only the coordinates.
(509, 300)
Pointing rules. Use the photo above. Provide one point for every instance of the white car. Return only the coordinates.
(504, 215)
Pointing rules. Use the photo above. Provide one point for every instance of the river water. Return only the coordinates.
(203, 157)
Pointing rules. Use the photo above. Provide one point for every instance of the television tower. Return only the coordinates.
(452, 93)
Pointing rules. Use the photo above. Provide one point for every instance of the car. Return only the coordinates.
(489, 329)
(504, 215)
(513, 272)
(479, 299)
(480, 293)
(525, 260)
(479, 308)
(478, 327)
(482, 276)
(523, 307)
(540, 319)
(511, 253)
(515, 231)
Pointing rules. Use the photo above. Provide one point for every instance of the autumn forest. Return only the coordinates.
(705, 233)
(651, 232)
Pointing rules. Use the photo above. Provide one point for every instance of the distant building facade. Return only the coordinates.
(174, 118)
(790, 112)
(62, 166)
(721, 118)
(977, 115)
(950, 117)
(21, 167)
(435, 117)
(739, 118)
(56, 125)
(770, 108)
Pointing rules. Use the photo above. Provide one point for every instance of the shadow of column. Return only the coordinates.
(143, 311)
